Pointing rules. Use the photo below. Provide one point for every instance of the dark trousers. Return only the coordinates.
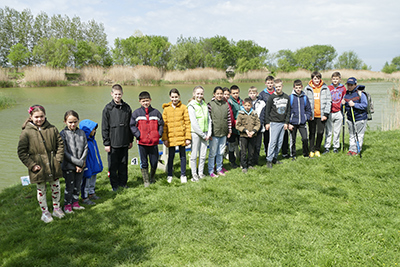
(317, 126)
(303, 133)
(171, 156)
(247, 147)
(150, 152)
(258, 147)
(118, 167)
(232, 141)
(73, 181)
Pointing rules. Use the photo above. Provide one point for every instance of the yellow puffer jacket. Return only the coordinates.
(176, 124)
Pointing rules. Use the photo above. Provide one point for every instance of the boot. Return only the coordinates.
(145, 174)
(152, 176)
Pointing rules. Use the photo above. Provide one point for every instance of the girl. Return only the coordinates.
(221, 129)
(201, 131)
(75, 153)
(41, 149)
(176, 132)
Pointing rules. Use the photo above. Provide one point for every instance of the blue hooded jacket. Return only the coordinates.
(300, 109)
(94, 164)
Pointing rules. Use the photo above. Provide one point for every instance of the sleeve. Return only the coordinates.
(85, 150)
(165, 131)
(328, 104)
(262, 115)
(287, 117)
(105, 127)
(130, 132)
(209, 132)
(160, 124)
(194, 124)
(60, 146)
(308, 109)
(268, 110)
(188, 135)
(23, 149)
(133, 125)
(363, 105)
(256, 123)
(229, 120)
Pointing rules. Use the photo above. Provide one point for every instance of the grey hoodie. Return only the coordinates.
(75, 148)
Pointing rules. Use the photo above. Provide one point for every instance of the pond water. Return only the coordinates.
(90, 101)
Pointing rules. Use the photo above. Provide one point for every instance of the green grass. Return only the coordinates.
(330, 211)
(6, 101)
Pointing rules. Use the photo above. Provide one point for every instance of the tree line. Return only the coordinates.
(59, 41)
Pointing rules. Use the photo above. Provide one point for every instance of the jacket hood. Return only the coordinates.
(165, 105)
(87, 126)
(294, 93)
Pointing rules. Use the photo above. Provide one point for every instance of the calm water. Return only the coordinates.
(90, 101)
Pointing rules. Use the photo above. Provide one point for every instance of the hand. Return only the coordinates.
(36, 168)
(351, 103)
(343, 101)
(267, 127)
(166, 143)
(130, 145)
(78, 169)
(324, 118)
(210, 138)
(107, 149)
(285, 127)
(188, 142)
(290, 127)
(229, 135)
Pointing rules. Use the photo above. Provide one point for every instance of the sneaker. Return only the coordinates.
(169, 179)
(194, 179)
(325, 152)
(244, 170)
(68, 209)
(46, 217)
(183, 179)
(293, 158)
(335, 150)
(94, 197)
(351, 153)
(224, 170)
(278, 162)
(201, 176)
(269, 164)
(58, 213)
(285, 156)
(221, 173)
(76, 206)
(317, 154)
(311, 154)
(87, 201)
(251, 168)
(213, 175)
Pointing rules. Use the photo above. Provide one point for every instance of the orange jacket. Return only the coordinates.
(176, 124)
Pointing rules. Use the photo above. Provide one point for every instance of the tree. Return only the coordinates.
(389, 68)
(56, 53)
(286, 60)
(188, 53)
(349, 60)
(249, 55)
(316, 57)
(19, 55)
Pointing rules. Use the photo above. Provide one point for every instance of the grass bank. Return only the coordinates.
(6, 101)
(332, 211)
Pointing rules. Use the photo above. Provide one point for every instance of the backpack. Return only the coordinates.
(370, 107)
(291, 101)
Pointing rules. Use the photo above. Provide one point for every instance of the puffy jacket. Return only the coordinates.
(325, 100)
(247, 121)
(265, 94)
(300, 108)
(176, 124)
(42, 147)
(115, 125)
(94, 165)
(75, 148)
(360, 105)
(147, 126)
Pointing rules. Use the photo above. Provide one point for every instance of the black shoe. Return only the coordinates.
(326, 151)
(293, 158)
(234, 165)
(285, 156)
(335, 150)
(269, 165)
(278, 162)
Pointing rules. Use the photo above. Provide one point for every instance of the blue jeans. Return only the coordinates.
(216, 153)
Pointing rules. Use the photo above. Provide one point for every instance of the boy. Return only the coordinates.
(248, 125)
(117, 138)
(233, 142)
(357, 103)
(300, 113)
(258, 105)
(277, 114)
(320, 99)
(94, 165)
(147, 126)
(335, 119)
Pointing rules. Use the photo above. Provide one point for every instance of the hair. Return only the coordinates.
(248, 100)
(253, 89)
(194, 91)
(174, 91)
(144, 95)
(31, 110)
(218, 88)
(235, 87)
(277, 81)
(269, 78)
(71, 113)
(116, 87)
(226, 89)
(297, 82)
(336, 74)
(316, 74)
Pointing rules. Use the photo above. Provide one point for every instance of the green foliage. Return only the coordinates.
(88, 53)
(18, 56)
(350, 60)
(188, 53)
(286, 61)
(56, 53)
(249, 56)
(394, 66)
(6, 101)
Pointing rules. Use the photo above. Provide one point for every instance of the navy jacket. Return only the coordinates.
(360, 105)
(94, 165)
(300, 108)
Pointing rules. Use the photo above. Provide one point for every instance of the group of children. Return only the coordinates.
(73, 153)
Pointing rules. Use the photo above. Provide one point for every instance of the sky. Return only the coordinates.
(370, 28)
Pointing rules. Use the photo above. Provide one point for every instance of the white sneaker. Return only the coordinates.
(201, 176)
(46, 217)
(169, 179)
(183, 179)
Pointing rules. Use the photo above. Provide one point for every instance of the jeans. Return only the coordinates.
(216, 153)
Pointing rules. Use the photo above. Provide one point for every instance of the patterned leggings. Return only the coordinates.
(55, 194)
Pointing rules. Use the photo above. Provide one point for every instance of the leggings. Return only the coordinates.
(55, 194)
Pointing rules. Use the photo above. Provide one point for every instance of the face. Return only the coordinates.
(253, 95)
(278, 88)
(316, 80)
(92, 133)
(335, 81)
(145, 102)
(270, 85)
(219, 95)
(298, 89)
(351, 87)
(247, 106)
(71, 122)
(174, 98)
(199, 94)
(38, 118)
(235, 93)
(227, 94)
(117, 96)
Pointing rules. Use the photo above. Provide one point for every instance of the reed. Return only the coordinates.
(251, 75)
(93, 75)
(391, 117)
(3, 74)
(195, 75)
(147, 75)
(40, 74)
(120, 74)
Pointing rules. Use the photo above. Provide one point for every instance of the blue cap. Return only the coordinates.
(352, 80)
